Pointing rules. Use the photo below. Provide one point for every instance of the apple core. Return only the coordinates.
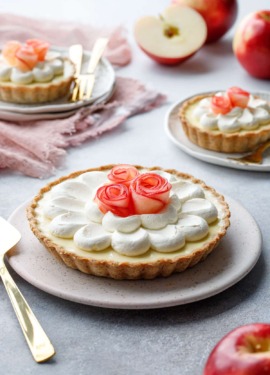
(169, 30)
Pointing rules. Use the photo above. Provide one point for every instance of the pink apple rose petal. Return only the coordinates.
(123, 173)
(25, 58)
(9, 51)
(238, 97)
(114, 198)
(145, 205)
(150, 193)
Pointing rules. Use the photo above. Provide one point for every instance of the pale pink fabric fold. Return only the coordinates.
(36, 148)
(13, 27)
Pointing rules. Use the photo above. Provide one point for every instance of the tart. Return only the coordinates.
(30, 73)
(232, 121)
(129, 222)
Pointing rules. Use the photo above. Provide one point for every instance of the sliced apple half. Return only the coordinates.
(173, 37)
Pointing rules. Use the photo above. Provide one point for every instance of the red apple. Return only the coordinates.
(251, 44)
(173, 37)
(243, 351)
(219, 15)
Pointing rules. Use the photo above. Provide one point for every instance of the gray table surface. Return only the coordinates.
(176, 340)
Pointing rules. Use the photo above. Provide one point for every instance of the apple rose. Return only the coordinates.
(220, 104)
(40, 47)
(150, 193)
(123, 174)
(9, 51)
(114, 198)
(25, 58)
(238, 97)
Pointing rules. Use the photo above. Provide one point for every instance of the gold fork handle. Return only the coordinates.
(97, 52)
(36, 338)
(75, 91)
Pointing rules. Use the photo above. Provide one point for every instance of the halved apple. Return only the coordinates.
(173, 37)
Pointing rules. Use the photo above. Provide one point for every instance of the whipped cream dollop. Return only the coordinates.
(44, 71)
(256, 113)
(73, 214)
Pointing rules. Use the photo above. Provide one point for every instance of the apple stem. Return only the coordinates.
(265, 16)
(169, 30)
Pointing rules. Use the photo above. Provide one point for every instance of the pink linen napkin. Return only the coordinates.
(13, 27)
(36, 148)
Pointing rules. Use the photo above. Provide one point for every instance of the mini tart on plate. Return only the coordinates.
(129, 222)
(30, 73)
(231, 121)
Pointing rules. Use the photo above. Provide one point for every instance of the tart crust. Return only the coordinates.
(127, 269)
(238, 142)
(38, 92)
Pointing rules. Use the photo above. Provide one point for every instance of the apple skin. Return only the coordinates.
(167, 39)
(219, 15)
(251, 44)
(167, 60)
(243, 351)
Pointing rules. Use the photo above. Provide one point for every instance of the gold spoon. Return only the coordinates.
(256, 156)
(36, 338)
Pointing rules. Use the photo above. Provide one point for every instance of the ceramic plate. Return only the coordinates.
(105, 78)
(20, 117)
(175, 132)
(233, 259)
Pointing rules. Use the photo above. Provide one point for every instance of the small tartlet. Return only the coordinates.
(240, 141)
(39, 92)
(22, 61)
(108, 263)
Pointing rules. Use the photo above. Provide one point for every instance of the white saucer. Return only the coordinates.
(104, 82)
(233, 259)
(175, 132)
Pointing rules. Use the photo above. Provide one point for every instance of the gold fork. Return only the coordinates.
(76, 56)
(256, 156)
(87, 80)
(36, 338)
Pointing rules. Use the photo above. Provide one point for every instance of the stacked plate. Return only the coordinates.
(103, 90)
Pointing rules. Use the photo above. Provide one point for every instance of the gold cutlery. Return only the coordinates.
(76, 56)
(35, 336)
(87, 80)
(255, 157)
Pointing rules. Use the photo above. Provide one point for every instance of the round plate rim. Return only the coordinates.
(118, 287)
(208, 155)
(31, 117)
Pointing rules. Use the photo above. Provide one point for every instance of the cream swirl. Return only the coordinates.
(43, 72)
(5, 73)
(257, 113)
(73, 214)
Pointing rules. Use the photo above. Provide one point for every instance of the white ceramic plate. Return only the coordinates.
(175, 132)
(233, 259)
(105, 78)
(20, 117)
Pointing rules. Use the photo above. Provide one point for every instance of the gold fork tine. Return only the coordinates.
(82, 86)
(75, 91)
(90, 86)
